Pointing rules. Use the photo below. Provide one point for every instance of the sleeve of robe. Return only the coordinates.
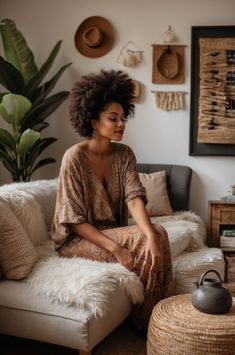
(70, 207)
(133, 185)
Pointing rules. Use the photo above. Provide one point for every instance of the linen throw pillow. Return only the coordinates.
(156, 190)
(17, 254)
(27, 211)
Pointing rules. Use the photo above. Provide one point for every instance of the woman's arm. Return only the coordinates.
(89, 232)
(139, 213)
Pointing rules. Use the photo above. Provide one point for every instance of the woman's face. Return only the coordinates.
(111, 122)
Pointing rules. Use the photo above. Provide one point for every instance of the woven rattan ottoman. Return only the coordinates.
(177, 328)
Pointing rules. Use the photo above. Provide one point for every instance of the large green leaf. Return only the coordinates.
(2, 94)
(38, 148)
(10, 77)
(42, 163)
(16, 49)
(41, 112)
(2, 146)
(14, 107)
(40, 75)
(7, 139)
(41, 93)
(27, 140)
(8, 162)
(41, 125)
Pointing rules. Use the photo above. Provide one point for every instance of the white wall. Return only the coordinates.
(155, 135)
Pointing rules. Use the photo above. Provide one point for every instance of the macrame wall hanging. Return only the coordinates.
(170, 100)
(130, 55)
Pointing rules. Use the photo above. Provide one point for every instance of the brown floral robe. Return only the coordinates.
(82, 198)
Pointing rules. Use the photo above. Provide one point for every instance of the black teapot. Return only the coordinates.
(209, 296)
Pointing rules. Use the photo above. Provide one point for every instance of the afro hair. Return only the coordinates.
(90, 95)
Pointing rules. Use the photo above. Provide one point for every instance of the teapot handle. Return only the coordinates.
(207, 272)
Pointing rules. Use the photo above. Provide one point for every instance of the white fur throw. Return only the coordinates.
(84, 283)
(186, 231)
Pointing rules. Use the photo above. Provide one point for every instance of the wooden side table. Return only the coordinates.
(177, 328)
(221, 213)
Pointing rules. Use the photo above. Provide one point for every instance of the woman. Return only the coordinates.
(98, 182)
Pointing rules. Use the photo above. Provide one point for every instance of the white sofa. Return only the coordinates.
(26, 312)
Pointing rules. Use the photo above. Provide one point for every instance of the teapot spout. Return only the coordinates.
(196, 284)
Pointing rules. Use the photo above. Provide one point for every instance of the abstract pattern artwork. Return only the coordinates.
(216, 115)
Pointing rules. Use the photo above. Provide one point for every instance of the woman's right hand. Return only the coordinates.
(125, 258)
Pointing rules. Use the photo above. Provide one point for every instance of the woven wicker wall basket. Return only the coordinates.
(168, 64)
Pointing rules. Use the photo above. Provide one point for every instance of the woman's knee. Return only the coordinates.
(161, 231)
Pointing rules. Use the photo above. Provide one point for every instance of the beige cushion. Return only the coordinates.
(27, 211)
(156, 190)
(20, 195)
(17, 254)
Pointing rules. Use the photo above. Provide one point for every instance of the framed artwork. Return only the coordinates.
(212, 106)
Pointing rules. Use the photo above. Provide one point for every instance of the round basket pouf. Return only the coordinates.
(177, 328)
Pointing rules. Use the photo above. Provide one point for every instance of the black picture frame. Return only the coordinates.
(196, 148)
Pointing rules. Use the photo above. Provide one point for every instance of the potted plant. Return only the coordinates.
(19, 149)
(20, 75)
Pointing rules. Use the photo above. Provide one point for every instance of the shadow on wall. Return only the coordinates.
(5, 177)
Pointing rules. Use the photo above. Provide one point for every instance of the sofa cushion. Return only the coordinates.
(156, 190)
(70, 326)
(42, 191)
(28, 212)
(17, 254)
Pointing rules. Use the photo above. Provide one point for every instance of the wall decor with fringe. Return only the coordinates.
(170, 100)
(130, 55)
(212, 102)
(216, 119)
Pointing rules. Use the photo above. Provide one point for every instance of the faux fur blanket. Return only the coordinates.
(83, 282)
(186, 231)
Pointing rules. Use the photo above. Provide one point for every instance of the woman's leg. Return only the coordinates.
(156, 283)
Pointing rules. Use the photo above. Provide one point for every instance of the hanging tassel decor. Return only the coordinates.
(130, 55)
(170, 100)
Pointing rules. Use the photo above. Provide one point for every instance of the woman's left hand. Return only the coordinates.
(153, 249)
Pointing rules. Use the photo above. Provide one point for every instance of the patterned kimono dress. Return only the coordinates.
(82, 198)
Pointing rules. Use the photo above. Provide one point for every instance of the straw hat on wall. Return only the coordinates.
(94, 37)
